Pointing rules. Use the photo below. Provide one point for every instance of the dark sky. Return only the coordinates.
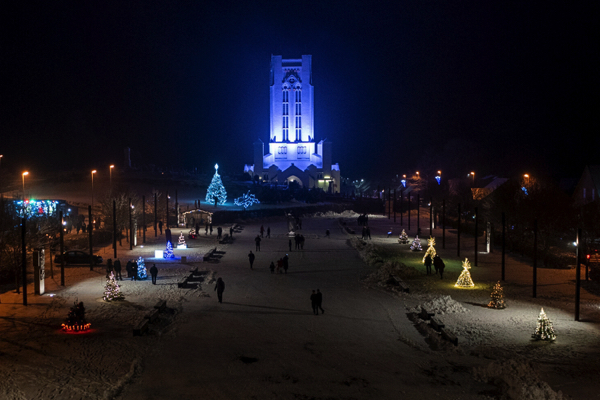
(453, 85)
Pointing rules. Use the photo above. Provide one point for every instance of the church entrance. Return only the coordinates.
(295, 179)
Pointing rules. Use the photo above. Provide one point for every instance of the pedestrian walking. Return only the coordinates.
(128, 269)
(251, 257)
(231, 232)
(320, 301)
(314, 303)
(197, 228)
(279, 265)
(326, 233)
(117, 268)
(285, 263)
(364, 233)
(440, 266)
(272, 267)
(220, 288)
(257, 241)
(369, 233)
(154, 273)
(301, 240)
(219, 232)
(269, 232)
(290, 244)
(427, 263)
(210, 228)
(109, 267)
(160, 226)
(206, 229)
(262, 231)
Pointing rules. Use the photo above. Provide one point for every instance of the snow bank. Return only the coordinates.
(517, 380)
(442, 305)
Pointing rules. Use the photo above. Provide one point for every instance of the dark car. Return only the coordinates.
(78, 257)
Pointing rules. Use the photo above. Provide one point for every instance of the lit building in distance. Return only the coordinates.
(294, 155)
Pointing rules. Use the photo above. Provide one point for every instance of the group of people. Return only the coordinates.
(438, 265)
(316, 299)
(262, 231)
(299, 242)
(366, 232)
(131, 268)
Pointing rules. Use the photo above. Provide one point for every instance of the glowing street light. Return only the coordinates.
(526, 176)
(24, 173)
(110, 173)
(93, 172)
(438, 177)
(1, 159)
(473, 174)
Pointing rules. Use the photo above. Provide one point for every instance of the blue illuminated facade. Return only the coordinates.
(294, 154)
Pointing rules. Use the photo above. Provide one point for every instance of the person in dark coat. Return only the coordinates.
(197, 228)
(290, 244)
(109, 267)
(160, 226)
(220, 288)
(427, 263)
(320, 301)
(257, 241)
(251, 258)
(272, 267)
(219, 232)
(117, 267)
(154, 273)
(134, 271)
(285, 263)
(231, 232)
(128, 269)
(314, 303)
(439, 265)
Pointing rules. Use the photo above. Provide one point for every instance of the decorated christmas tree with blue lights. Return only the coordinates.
(216, 192)
(168, 253)
(141, 270)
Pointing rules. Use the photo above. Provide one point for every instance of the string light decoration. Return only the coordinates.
(168, 253)
(246, 200)
(181, 244)
(544, 329)
(416, 244)
(141, 270)
(112, 290)
(497, 297)
(403, 238)
(430, 249)
(75, 321)
(216, 190)
(464, 280)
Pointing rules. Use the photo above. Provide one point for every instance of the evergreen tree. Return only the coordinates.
(544, 330)
(112, 290)
(216, 191)
(168, 253)
(497, 297)
(416, 244)
(403, 237)
(181, 244)
(430, 250)
(75, 321)
(464, 280)
(141, 269)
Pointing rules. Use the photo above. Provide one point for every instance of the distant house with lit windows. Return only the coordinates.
(586, 191)
(294, 155)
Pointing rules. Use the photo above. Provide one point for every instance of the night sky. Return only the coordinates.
(488, 86)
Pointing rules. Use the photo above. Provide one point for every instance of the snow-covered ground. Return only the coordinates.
(264, 342)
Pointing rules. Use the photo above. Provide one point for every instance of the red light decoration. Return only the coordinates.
(76, 328)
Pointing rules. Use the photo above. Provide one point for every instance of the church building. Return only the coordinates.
(294, 155)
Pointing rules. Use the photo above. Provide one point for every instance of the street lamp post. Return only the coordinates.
(93, 172)
(526, 176)
(110, 174)
(1, 159)
(23, 175)
(473, 175)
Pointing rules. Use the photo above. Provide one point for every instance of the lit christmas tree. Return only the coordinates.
(403, 238)
(75, 321)
(430, 250)
(181, 244)
(497, 296)
(416, 244)
(246, 200)
(544, 330)
(168, 253)
(112, 290)
(464, 280)
(216, 190)
(142, 273)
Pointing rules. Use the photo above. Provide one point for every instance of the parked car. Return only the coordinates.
(78, 257)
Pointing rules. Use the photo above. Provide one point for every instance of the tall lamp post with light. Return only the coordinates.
(110, 174)
(23, 175)
(473, 175)
(93, 172)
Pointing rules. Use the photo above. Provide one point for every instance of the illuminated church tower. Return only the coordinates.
(293, 153)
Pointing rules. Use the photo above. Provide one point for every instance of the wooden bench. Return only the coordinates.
(195, 278)
(449, 336)
(161, 305)
(426, 314)
(152, 315)
(208, 254)
(182, 283)
(436, 324)
(141, 327)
